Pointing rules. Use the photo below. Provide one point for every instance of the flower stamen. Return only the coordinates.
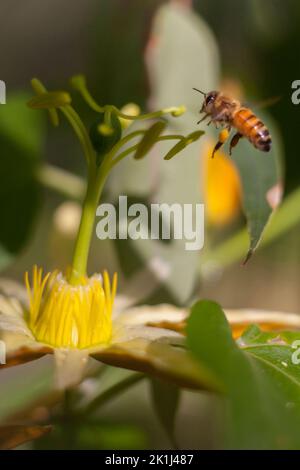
(68, 316)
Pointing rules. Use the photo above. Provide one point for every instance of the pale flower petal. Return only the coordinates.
(149, 333)
(152, 314)
(170, 317)
(143, 339)
(139, 323)
(267, 320)
(14, 289)
(11, 306)
(12, 316)
(26, 352)
(160, 360)
(15, 324)
(121, 302)
(248, 316)
(70, 365)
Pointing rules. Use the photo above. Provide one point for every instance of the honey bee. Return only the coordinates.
(229, 113)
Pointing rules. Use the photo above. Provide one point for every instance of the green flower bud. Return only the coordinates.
(78, 82)
(103, 136)
(179, 111)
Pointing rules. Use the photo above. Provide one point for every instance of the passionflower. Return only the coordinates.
(73, 315)
(51, 316)
(89, 321)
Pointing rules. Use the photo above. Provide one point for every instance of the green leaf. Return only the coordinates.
(149, 139)
(261, 408)
(165, 397)
(253, 335)
(71, 434)
(286, 218)
(259, 172)
(21, 138)
(111, 436)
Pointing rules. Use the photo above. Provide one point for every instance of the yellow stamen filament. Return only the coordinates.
(67, 316)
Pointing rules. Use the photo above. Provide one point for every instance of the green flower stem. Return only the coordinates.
(125, 140)
(81, 132)
(175, 111)
(72, 186)
(112, 392)
(81, 87)
(39, 88)
(96, 183)
(123, 155)
(107, 117)
(128, 151)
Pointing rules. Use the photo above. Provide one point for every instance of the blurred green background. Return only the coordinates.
(106, 40)
(257, 45)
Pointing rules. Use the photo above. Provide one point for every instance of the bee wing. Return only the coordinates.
(264, 103)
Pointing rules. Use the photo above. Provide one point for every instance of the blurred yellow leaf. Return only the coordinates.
(221, 187)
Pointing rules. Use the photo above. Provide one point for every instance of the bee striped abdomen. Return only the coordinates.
(251, 127)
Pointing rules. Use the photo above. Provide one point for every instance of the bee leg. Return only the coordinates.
(223, 136)
(217, 147)
(203, 119)
(234, 141)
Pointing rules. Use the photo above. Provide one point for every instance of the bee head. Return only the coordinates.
(209, 100)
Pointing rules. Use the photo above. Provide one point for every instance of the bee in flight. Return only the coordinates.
(229, 113)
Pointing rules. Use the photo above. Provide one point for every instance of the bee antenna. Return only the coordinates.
(199, 91)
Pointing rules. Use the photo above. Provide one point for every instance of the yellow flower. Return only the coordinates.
(82, 320)
(143, 338)
(67, 316)
(222, 187)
